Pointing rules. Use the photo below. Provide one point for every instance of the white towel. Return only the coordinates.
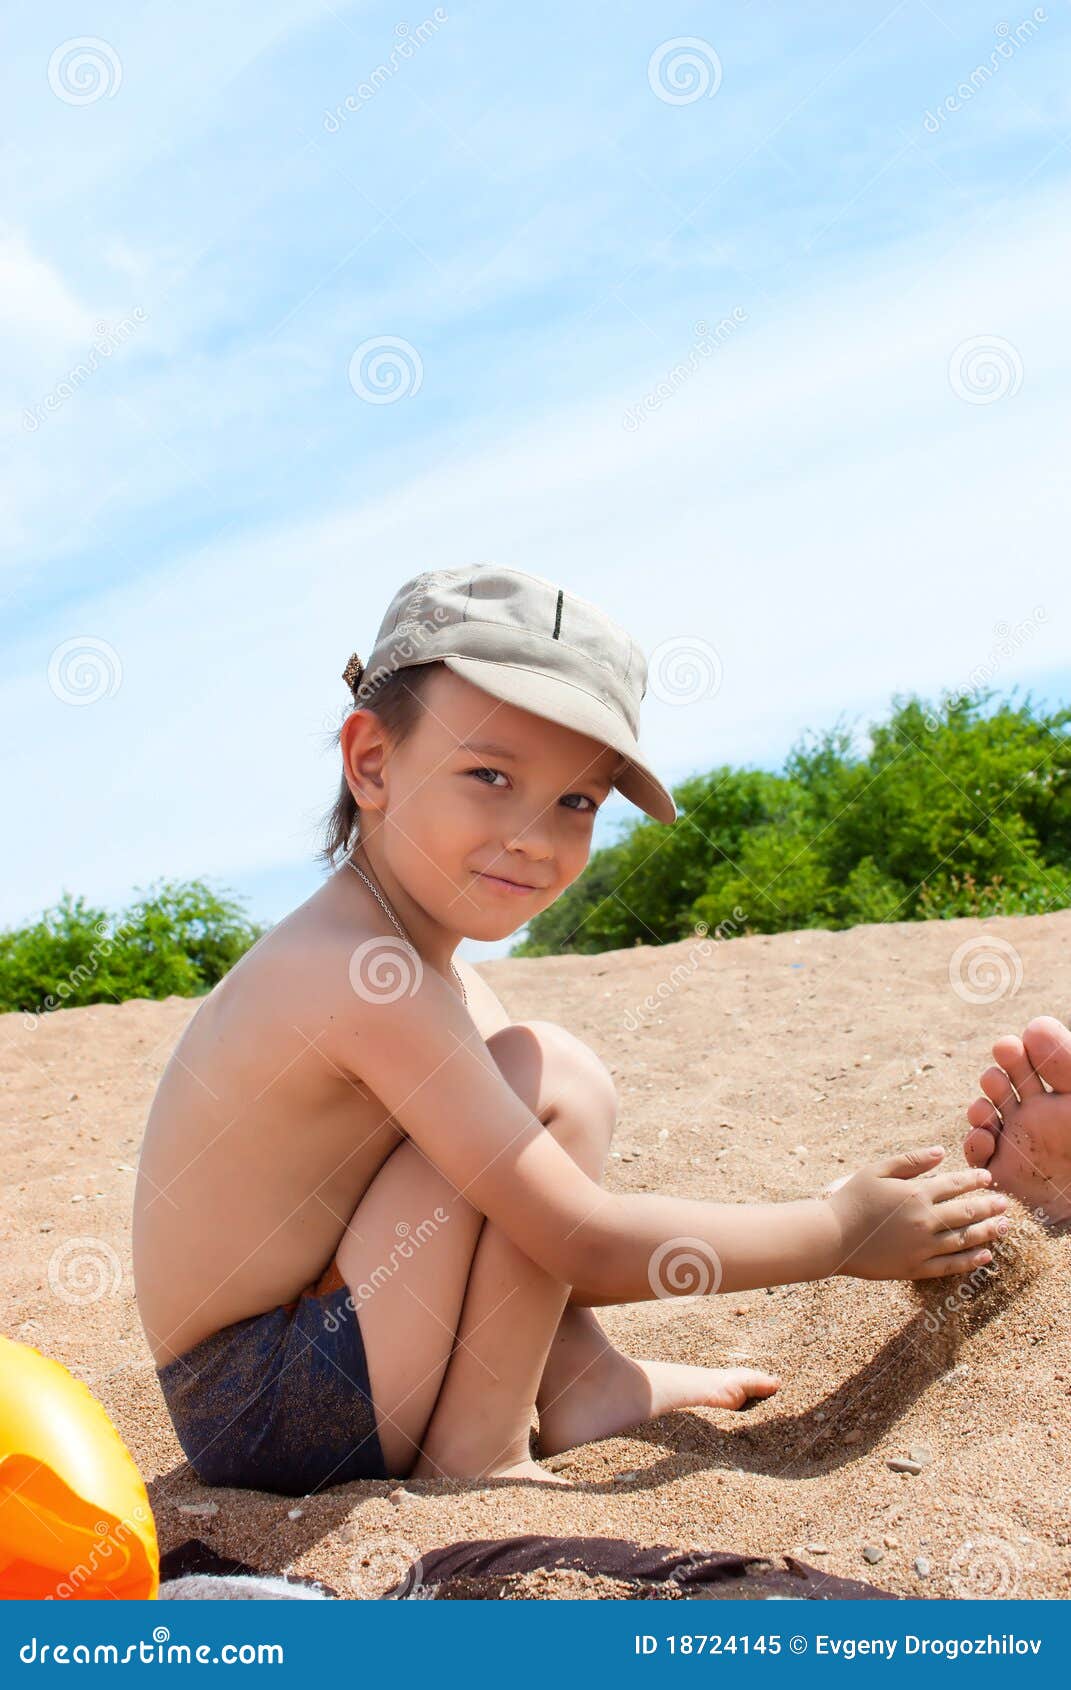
(249, 1587)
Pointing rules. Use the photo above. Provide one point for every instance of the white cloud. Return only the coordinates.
(35, 300)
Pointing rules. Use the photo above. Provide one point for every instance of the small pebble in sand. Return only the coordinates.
(873, 1554)
(627, 1478)
(891, 1541)
(816, 1548)
(202, 1509)
(294, 1513)
(922, 1566)
(399, 1495)
(902, 1464)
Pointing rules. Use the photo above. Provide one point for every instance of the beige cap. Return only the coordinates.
(527, 642)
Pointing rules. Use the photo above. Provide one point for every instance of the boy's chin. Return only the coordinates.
(493, 924)
(494, 927)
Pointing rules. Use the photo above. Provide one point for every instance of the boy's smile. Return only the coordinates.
(479, 819)
(499, 882)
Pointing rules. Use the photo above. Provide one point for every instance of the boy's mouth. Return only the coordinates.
(513, 886)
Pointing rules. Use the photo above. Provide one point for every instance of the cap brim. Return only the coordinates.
(559, 701)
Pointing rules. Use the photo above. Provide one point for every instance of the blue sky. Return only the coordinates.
(534, 220)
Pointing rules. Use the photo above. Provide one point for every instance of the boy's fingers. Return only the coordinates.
(961, 1211)
(954, 1183)
(907, 1163)
(968, 1237)
(939, 1267)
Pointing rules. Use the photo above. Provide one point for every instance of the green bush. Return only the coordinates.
(180, 939)
(962, 808)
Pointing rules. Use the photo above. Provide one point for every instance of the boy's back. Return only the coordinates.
(259, 1144)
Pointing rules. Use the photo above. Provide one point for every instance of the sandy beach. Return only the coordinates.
(747, 1069)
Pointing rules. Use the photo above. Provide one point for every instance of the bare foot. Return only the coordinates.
(526, 1470)
(617, 1393)
(460, 1468)
(1020, 1131)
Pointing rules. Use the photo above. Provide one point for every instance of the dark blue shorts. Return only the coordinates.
(280, 1401)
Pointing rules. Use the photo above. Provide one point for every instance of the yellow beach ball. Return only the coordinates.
(75, 1520)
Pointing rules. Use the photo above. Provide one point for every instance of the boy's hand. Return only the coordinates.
(895, 1226)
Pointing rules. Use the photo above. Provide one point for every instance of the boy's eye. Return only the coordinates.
(583, 795)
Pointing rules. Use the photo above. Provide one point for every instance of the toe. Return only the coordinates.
(978, 1147)
(998, 1088)
(742, 1383)
(981, 1113)
(1048, 1044)
(1010, 1052)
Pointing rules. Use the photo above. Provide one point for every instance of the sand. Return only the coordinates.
(761, 1068)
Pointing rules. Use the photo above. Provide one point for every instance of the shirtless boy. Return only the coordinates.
(370, 1230)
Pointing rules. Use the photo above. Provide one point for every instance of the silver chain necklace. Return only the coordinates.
(380, 899)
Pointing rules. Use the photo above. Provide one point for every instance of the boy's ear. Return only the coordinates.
(363, 744)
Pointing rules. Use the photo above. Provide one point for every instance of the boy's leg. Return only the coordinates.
(482, 1419)
(469, 1403)
(457, 1334)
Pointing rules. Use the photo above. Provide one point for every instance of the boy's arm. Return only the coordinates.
(425, 1060)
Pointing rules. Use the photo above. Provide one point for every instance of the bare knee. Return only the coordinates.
(564, 1082)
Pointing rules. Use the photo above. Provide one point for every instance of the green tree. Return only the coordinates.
(179, 938)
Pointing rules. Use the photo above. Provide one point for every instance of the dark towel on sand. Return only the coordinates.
(477, 1571)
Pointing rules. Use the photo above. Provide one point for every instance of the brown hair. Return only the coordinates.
(396, 700)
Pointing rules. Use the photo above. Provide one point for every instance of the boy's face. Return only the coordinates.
(464, 812)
